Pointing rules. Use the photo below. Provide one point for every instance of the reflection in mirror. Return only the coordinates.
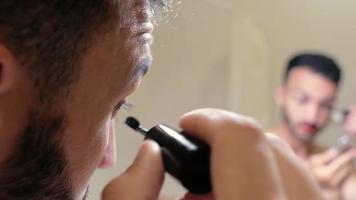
(231, 54)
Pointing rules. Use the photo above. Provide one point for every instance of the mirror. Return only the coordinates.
(230, 54)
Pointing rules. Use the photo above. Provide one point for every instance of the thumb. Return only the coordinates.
(325, 157)
(142, 180)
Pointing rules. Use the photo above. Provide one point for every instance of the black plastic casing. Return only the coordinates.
(186, 158)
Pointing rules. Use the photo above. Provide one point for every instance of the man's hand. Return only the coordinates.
(245, 163)
(331, 169)
(350, 122)
(142, 180)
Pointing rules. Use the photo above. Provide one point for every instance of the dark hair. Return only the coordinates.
(322, 64)
(49, 37)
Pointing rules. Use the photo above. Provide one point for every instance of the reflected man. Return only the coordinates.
(306, 98)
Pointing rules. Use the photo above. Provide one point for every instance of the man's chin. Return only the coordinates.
(306, 137)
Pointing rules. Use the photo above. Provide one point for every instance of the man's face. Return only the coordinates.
(306, 101)
(112, 70)
(80, 137)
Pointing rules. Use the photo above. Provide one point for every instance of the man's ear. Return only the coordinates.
(8, 67)
(280, 95)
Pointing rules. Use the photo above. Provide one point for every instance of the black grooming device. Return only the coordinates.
(184, 157)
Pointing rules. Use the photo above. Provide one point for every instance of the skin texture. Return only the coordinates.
(54, 151)
(306, 100)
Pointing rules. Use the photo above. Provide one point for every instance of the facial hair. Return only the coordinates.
(293, 131)
(37, 168)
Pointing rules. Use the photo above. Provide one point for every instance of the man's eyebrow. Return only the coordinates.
(140, 70)
(329, 100)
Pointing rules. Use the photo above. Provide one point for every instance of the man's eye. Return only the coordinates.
(301, 99)
(123, 104)
(327, 107)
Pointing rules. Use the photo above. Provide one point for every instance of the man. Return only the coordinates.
(66, 67)
(306, 99)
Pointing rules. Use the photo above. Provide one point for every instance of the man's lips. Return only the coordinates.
(308, 128)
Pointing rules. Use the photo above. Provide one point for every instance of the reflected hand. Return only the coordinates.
(350, 121)
(331, 169)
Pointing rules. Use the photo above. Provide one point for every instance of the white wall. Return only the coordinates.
(319, 25)
(229, 54)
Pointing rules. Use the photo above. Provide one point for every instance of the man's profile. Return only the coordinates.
(58, 99)
(66, 67)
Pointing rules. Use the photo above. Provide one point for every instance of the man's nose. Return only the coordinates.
(312, 113)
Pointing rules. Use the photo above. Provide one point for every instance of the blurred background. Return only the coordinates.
(230, 54)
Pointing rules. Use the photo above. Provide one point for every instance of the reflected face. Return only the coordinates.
(61, 148)
(307, 100)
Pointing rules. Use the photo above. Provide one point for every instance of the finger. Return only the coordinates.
(142, 180)
(241, 159)
(341, 161)
(204, 123)
(350, 122)
(339, 177)
(324, 157)
(350, 127)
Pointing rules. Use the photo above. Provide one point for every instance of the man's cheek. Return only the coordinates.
(109, 156)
